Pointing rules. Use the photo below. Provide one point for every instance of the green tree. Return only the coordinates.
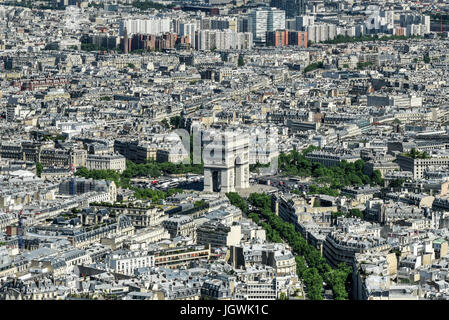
(283, 296)
(165, 123)
(301, 266)
(363, 65)
(314, 283)
(356, 213)
(415, 154)
(146, 5)
(314, 66)
(312, 268)
(376, 177)
(254, 217)
(396, 183)
(39, 169)
(237, 200)
(260, 200)
(241, 62)
(200, 203)
(175, 121)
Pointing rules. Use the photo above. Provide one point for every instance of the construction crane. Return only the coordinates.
(435, 13)
(425, 9)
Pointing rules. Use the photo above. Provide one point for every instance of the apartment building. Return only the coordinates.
(140, 217)
(115, 162)
(178, 225)
(218, 235)
(274, 255)
(281, 38)
(181, 256)
(262, 20)
(265, 289)
(352, 236)
(126, 262)
(418, 166)
(135, 151)
(330, 159)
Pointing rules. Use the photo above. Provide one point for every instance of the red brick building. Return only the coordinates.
(153, 42)
(282, 38)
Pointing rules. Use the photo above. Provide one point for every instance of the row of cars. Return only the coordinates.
(190, 181)
(283, 183)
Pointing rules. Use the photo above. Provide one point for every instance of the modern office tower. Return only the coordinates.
(188, 30)
(379, 22)
(218, 23)
(226, 161)
(242, 24)
(388, 17)
(409, 20)
(258, 24)
(290, 24)
(276, 20)
(304, 21)
(292, 8)
(262, 20)
(175, 25)
(302, 7)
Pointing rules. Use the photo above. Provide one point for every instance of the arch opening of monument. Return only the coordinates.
(226, 166)
(216, 181)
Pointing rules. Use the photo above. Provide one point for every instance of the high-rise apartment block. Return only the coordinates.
(154, 26)
(262, 20)
(287, 38)
(222, 40)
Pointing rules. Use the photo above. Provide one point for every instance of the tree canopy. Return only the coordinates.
(311, 267)
(149, 169)
(337, 177)
(237, 201)
(415, 154)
